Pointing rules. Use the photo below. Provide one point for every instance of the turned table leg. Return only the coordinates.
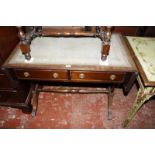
(104, 33)
(110, 100)
(24, 43)
(34, 100)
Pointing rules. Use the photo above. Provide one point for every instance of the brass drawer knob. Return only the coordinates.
(112, 77)
(81, 76)
(26, 74)
(55, 75)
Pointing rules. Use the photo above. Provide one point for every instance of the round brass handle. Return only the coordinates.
(26, 74)
(81, 76)
(55, 75)
(112, 77)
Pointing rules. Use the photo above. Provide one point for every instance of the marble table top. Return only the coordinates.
(144, 50)
(74, 51)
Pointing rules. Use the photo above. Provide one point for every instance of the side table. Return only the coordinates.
(66, 63)
(143, 53)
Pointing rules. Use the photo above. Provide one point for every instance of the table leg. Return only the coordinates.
(34, 101)
(110, 99)
(104, 33)
(140, 99)
(106, 42)
(143, 95)
(24, 43)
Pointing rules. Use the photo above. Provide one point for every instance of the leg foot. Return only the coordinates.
(110, 115)
(125, 123)
(104, 57)
(27, 56)
(33, 113)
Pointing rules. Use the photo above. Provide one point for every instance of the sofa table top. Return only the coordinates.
(83, 53)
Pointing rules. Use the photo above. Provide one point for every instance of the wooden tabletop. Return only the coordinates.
(143, 52)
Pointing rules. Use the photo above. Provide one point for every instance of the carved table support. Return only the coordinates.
(110, 100)
(106, 42)
(104, 33)
(24, 43)
(34, 100)
(26, 38)
(143, 95)
(81, 90)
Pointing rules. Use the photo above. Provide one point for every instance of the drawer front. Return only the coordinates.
(97, 76)
(30, 74)
(4, 82)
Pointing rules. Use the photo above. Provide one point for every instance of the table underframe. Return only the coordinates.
(37, 88)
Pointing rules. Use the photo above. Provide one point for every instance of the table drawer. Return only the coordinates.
(97, 76)
(31, 74)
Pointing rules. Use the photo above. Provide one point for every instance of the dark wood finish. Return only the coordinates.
(74, 74)
(4, 82)
(68, 31)
(32, 74)
(71, 75)
(149, 31)
(127, 30)
(87, 76)
(34, 101)
(25, 41)
(106, 41)
(8, 40)
(12, 92)
(146, 31)
(126, 78)
(121, 75)
(129, 80)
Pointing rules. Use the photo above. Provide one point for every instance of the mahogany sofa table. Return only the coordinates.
(60, 61)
